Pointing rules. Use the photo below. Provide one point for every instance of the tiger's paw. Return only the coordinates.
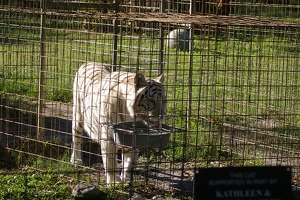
(112, 180)
(126, 178)
(76, 161)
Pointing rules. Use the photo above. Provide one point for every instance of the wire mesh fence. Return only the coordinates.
(230, 74)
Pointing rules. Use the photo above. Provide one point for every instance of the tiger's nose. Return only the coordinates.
(156, 123)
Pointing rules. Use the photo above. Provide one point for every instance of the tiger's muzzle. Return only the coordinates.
(152, 121)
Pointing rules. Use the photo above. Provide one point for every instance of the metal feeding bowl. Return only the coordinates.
(140, 136)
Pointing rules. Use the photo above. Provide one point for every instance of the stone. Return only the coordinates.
(179, 39)
(160, 197)
(83, 191)
(136, 197)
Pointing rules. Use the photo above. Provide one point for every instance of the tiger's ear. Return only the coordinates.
(139, 79)
(160, 78)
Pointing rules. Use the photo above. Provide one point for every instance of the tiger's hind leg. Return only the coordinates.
(129, 160)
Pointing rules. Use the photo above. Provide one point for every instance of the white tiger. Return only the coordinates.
(102, 98)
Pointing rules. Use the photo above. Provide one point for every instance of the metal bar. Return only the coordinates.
(115, 36)
(137, 67)
(191, 61)
(161, 41)
(64, 5)
(192, 7)
(115, 44)
(42, 76)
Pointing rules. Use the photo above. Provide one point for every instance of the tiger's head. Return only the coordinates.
(150, 101)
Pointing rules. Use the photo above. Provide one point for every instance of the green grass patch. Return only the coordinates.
(30, 184)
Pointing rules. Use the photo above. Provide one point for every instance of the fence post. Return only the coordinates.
(115, 44)
(115, 36)
(191, 61)
(161, 42)
(42, 76)
(190, 88)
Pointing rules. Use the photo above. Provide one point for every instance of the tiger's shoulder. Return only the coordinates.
(93, 71)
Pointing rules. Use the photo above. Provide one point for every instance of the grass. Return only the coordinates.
(23, 181)
(30, 174)
(43, 178)
(30, 184)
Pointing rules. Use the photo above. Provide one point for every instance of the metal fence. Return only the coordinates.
(231, 77)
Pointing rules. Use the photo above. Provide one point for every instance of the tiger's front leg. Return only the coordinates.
(129, 160)
(77, 131)
(109, 158)
(77, 127)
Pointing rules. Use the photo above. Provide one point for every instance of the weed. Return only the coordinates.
(30, 184)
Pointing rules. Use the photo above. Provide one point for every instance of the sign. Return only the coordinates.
(243, 183)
